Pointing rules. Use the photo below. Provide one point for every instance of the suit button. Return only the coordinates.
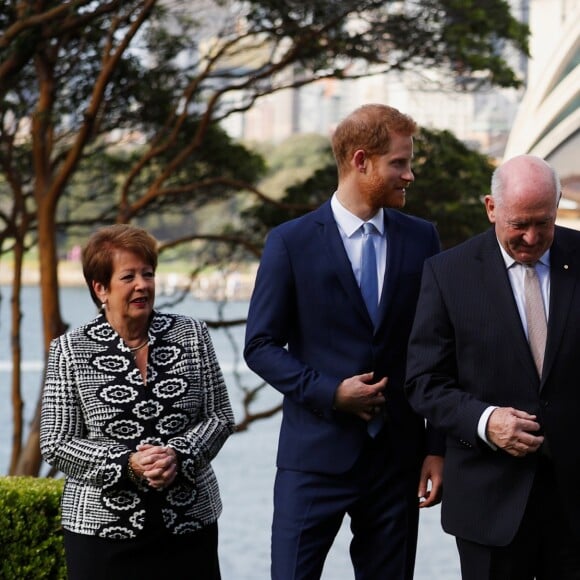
(544, 403)
(317, 412)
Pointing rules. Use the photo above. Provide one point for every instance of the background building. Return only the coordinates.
(548, 119)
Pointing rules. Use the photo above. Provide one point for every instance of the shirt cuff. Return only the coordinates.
(482, 426)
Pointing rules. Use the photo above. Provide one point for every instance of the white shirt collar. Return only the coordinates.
(509, 261)
(350, 223)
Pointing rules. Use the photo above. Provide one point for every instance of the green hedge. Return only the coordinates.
(31, 546)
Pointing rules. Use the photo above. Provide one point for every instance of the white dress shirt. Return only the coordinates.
(350, 229)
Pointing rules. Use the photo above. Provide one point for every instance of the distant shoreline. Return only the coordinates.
(216, 285)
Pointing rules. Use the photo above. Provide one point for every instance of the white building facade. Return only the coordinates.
(548, 120)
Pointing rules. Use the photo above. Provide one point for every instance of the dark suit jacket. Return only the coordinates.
(467, 351)
(308, 329)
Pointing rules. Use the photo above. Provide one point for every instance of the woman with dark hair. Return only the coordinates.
(134, 409)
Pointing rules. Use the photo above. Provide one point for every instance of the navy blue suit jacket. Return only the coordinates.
(308, 329)
(468, 350)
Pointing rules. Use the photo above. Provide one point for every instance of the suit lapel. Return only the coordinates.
(395, 243)
(338, 258)
(564, 268)
(496, 281)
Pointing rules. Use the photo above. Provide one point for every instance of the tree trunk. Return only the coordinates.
(16, 350)
(30, 459)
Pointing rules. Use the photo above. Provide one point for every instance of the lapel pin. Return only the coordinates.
(565, 266)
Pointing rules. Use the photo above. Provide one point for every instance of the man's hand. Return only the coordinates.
(358, 395)
(512, 430)
(432, 471)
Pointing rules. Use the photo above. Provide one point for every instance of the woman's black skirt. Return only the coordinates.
(153, 555)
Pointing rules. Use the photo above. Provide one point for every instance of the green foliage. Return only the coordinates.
(304, 149)
(466, 36)
(31, 545)
(89, 199)
(300, 171)
(292, 161)
(450, 183)
(477, 32)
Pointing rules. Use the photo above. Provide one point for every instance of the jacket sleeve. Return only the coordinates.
(272, 323)
(63, 440)
(432, 386)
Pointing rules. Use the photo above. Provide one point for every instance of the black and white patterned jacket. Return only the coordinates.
(96, 409)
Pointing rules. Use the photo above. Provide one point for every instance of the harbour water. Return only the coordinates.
(245, 466)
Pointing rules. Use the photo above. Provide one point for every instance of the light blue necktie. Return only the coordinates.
(369, 285)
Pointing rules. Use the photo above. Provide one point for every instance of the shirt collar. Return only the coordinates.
(350, 223)
(509, 261)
